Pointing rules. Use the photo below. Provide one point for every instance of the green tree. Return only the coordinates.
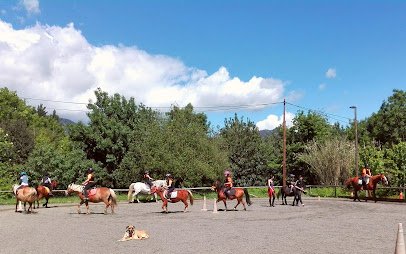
(247, 160)
(387, 126)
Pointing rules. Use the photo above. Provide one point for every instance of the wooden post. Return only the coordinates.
(284, 145)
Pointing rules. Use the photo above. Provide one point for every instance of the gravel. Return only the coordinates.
(321, 226)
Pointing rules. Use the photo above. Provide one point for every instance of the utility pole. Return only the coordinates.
(284, 145)
(356, 139)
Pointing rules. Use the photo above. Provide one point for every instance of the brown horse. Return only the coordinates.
(235, 193)
(371, 186)
(45, 192)
(102, 194)
(25, 194)
(181, 195)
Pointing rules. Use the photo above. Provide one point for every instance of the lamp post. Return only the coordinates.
(356, 138)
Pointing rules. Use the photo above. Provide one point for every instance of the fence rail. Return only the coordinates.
(308, 187)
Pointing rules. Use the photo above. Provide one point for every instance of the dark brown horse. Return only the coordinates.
(286, 191)
(25, 194)
(102, 194)
(181, 195)
(45, 192)
(354, 182)
(235, 193)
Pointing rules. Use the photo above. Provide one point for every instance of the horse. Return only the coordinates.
(234, 193)
(96, 195)
(354, 182)
(25, 194)
(143, 188)
(176, 196)
(45, 192)
(285, 191)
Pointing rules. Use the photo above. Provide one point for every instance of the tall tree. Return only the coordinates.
(247, 160)
(387, 126)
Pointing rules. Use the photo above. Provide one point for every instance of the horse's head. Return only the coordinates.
(73, 188)
(54, 184)
(383, 178)
(216, 185)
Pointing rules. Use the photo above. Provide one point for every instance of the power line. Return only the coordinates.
(216, 108)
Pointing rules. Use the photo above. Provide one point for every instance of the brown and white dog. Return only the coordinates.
(132, 234)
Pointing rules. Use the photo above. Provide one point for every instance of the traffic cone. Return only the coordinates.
(204, 203)
(215, 206)
(401, 195)
(400, 241)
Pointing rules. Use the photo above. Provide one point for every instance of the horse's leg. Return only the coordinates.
(16, 205)
(374, 195)
(81, 203)
(225, 203)
(186, 204)
(87, 207)
(156, 197)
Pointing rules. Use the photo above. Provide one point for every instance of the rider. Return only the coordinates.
(292, 182)
(23, 181)
(46, 181)
(365, 175)
(148, 179)
(89, 183)
(170, 183)
(228, 182)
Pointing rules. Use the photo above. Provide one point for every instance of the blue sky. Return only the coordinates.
(320, 55)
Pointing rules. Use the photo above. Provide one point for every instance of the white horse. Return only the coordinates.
(143, 188)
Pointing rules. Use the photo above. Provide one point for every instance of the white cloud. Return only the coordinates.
(31, 6)
(322, 86)
(331, 73)
(59, 64)
(273, 121)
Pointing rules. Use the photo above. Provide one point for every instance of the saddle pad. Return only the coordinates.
(174, 194)
(92, 192)
(359, 182)
(231, 192)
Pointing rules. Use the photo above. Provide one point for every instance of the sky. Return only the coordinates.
(224, 57)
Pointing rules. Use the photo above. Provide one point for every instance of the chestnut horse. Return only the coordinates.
(235, 193)
(45, 192)
(371, 186)
(96, 195)
(181, 195)
(25, 194)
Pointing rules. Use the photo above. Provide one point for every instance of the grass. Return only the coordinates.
(8, 198)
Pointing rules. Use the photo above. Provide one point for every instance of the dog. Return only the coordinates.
(132, 234)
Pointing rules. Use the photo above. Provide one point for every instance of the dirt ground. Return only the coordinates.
(325, 226)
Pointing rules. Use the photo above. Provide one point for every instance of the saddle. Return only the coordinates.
(231, 192)
(174, 194)
(91, 192)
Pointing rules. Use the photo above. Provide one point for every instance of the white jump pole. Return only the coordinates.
(204, 204)
(400, 241)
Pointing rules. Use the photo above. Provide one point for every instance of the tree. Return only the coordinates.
(387, 126)
(331, 160)
(247, 160)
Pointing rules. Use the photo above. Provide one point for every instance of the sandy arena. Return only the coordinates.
(325, 226)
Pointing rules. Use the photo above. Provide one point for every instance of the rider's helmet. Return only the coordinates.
(168, 176)
(23, 173)
(146, 173)
(90, 170)
(366, 165)
(46, 174)
(227, 173)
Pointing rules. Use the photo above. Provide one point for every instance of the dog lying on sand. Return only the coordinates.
(132, 234)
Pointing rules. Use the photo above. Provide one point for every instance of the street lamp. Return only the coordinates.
(356, 138)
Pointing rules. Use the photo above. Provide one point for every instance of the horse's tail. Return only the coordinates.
(113, 198)
(130, 191)
(190, 196)
(247, 197)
